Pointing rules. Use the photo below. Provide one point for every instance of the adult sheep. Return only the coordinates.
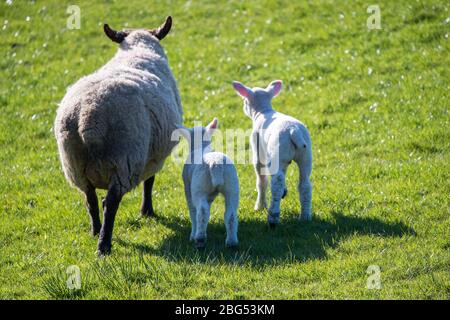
(113, 127)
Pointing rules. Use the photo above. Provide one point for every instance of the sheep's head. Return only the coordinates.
(257, 99)
(119, 36)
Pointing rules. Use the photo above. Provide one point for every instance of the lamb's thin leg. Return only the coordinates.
(192, 210)
(258, 155)
(278, 187)
(93, 210)
(203, 213)
(230, 219)
(304, 186)
(111, 204)
(261, 186)
(305, 190)
(147, 204)
(193, 215)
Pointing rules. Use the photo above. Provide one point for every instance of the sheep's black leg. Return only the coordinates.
(111, 204)
(147, 205)
(93, 210)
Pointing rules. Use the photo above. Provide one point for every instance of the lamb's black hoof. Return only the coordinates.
(273, 219)
(200, 244)
(231, 244)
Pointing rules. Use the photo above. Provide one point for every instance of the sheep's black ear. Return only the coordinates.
(116, 36)
(164, 29)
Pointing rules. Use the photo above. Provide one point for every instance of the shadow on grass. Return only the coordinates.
(291, 241)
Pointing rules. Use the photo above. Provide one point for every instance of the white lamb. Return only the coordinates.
(114, 126)
(277, 140)
(206, 174)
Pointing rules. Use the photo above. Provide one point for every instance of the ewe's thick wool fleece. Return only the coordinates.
(114, 126)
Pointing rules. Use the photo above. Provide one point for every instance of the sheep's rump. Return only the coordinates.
(116, 124)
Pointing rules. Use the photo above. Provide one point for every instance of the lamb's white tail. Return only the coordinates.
(297, 138)
(216, 172)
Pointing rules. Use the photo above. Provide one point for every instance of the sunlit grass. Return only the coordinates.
(375, 102)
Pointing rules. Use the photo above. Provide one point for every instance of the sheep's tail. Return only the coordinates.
(92, 130)
(297, 139)
(216, 171)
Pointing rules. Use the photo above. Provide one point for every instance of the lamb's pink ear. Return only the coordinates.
(211, 128)
(274, 87)
(242, 90)
(213, 125)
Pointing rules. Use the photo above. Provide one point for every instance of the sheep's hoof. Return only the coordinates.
(200, 244)
(273, 219)
(305, 217)
(148, 214)
(231, 244)
(284, 194)
(103, 250)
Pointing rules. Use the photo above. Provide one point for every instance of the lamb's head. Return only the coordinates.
(257, 100)
(199, 138)
(132, 36)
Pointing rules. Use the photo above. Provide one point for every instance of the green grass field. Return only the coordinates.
(375, 102)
